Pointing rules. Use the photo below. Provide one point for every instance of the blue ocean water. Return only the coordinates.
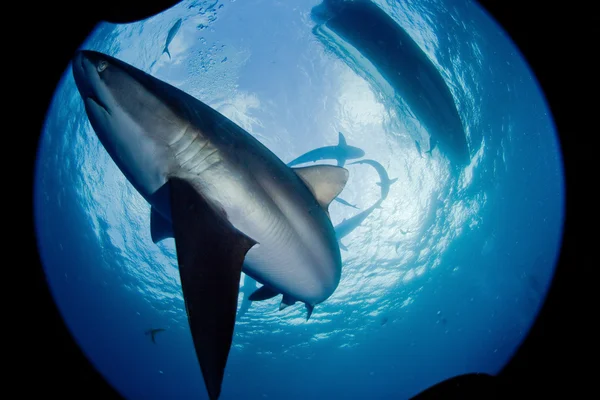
(445, 278)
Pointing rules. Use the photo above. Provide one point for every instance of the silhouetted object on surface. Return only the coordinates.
(200, 172)
(402, 63)
(153, 332)
(341, 153)
(385, 181)
(172, 32)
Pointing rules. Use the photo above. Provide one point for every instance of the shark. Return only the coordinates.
(341, 153)
(230, 204)
(153, 332)
(385, 181)
(345, 227)
(172, 32)
(248, 288)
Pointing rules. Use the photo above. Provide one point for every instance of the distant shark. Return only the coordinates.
(172, 32)
(342, 152)
(229, 202)
(153, 332)
(250, 286)
(362, 27)
(385, 182)
(345, 227)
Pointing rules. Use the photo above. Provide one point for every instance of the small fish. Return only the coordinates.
(172, 32)
(344, 202)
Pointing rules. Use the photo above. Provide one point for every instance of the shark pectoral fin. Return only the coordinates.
(341, 140)
(324, 181)
(286, 302)
(309, 310)
(393, 180)
(263, 293)
(378, 184)
(210, 254)
(160, 227)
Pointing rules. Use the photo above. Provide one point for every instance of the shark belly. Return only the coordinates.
(288, 256)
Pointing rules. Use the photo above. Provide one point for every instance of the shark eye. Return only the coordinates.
(102, 66)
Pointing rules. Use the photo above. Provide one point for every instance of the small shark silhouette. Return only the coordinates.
(341, 153)
(153, 332)
(385, 181)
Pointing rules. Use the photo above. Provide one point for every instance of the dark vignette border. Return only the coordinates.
(556, 40)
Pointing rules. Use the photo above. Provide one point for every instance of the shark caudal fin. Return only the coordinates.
(210, 254)
(166, 50)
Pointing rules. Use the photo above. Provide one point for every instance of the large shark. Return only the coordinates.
(385, 181)
(228, 201)
(342, 152)
(360, 26)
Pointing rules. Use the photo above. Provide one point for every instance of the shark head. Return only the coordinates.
(132, 114)
(115, 93)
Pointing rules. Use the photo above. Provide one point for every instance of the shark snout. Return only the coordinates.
(87, 67)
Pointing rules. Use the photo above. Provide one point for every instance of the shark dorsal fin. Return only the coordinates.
(342, 140)
(325, 182)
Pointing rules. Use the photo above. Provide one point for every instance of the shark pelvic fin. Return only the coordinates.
(286, 302)
(309, 310)
(210, 254)
(262, 293)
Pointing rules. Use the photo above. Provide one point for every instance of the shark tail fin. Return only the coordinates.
(166, 50)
